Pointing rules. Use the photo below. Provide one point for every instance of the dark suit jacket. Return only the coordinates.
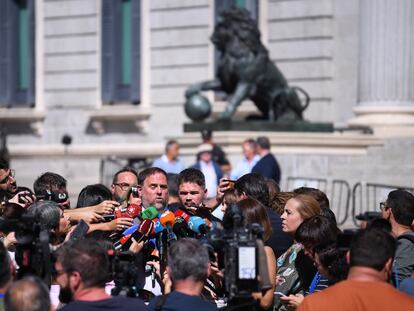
(268, 167)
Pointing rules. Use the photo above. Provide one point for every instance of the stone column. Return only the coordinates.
(386, 67)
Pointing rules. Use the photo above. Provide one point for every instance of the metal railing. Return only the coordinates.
(367, 196)
(337, 190)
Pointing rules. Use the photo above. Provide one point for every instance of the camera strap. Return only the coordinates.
(406, 237)
(160, 302)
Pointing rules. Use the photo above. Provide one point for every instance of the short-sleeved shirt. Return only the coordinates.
(404, 258)
(407, 286)
(358, 296)
(113, 304)
(178, 301)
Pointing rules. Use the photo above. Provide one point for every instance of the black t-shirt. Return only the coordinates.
(113, 304)
(178, 301)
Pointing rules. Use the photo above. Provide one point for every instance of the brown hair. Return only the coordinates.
(308, 206)
(278, 202)
(317, 194)
(230, 196)
(255, 212)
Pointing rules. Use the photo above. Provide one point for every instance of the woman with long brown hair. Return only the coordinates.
(254, 212)
(294, 261)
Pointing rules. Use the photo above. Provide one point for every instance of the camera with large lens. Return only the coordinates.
(33, 254)
(127, 270)
(56, 196)
(240, 251)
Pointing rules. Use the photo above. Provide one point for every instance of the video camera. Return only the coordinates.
(126, 273)
(55, 196)
(33, 254)
(241, 253)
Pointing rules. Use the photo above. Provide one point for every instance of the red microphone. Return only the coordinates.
(144, 230)
(131, 211)
(140, 234)
(182, 214)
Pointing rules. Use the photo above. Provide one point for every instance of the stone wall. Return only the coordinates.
(315, 44)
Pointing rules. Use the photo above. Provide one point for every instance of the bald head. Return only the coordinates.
(27, 294)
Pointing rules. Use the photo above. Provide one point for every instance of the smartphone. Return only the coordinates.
(134, 192)
(280, 294)
(80, 231)
(232, 183)
(108, 217)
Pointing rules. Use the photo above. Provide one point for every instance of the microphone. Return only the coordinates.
(182, 214)
(126, 236)
(139, 234)
(167, 219)
(130, 230)
(180, 227)
(159, 236)
(143, 231)
(157, 227)
(149, 213)
(197, 225)
(131, 211)
(80, 231)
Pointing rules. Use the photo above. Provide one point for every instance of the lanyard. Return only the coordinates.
(394, 267)
(315, 282)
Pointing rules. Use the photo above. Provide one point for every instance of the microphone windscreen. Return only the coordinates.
(195, 223)
(167, 218)
(144, 230)
(158, 227)
(180, 227)
(146, 226)
(132, 211)
(181, 213)
(130, 230)
(149, 213)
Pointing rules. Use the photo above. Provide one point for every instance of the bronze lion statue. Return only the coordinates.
(245, 71)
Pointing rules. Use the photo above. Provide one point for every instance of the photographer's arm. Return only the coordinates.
(84, 213)
(266, 300)
(92, 214)
(23, 198)
(166, 282)
(9, 240)
(213, 203)
(116, 224)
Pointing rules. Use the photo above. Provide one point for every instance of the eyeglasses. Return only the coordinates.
(382, 206)
(5, 179)
(123, 186)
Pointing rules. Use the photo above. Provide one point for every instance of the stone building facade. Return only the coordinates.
(355, 58)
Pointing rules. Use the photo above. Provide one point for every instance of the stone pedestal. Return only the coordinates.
(386, 73)
(298, 126)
